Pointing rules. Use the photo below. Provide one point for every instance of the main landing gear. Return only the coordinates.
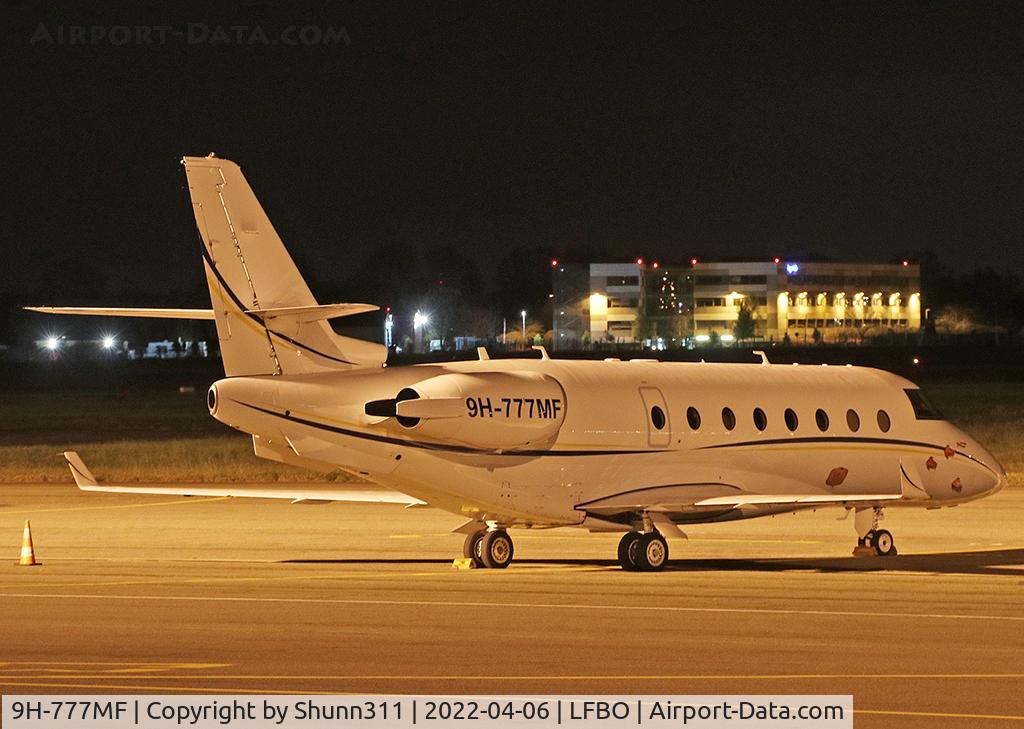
(643, 552)
(491, 548)
(872, 541)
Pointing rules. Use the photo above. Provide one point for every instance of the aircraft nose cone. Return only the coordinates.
(1000, 479)
(994, 477)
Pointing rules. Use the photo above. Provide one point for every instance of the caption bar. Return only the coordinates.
(436, 712)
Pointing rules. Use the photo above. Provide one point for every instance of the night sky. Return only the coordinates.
(492, 136)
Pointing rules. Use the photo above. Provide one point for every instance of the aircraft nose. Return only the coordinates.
(1000, 478)
(995, 477)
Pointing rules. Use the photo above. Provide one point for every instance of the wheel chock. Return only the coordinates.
(862, 551)
(465, 563)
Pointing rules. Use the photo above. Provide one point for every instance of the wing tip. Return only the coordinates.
(79, 471)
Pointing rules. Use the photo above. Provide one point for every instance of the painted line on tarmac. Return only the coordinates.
(174, 665)
(448, 572)
(193, 500)
(621, 677)
(223, 580)
(144, 687)
(939, 714)
(524, 606)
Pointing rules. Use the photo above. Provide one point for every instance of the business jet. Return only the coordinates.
(639, 446)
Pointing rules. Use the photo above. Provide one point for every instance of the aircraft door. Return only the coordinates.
(659, 428)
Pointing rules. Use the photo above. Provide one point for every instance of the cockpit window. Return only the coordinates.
(923, 409)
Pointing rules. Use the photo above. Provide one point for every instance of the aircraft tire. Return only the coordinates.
(628, 549)
(652, 552)
(471, 547)
(883, 543)
(496, 549)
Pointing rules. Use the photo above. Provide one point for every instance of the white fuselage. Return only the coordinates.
(575, 438)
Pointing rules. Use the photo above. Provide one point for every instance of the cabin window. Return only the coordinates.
(693, 417)
(923, 409)
(883, 421)
(728, 418)
(853, 420)
(760, 419)
(821, 418)
(658, 418)
(791, 420)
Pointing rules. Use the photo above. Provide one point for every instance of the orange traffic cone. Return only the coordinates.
(28, 554)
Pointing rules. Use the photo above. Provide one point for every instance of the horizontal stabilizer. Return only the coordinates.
(136, 312)
(317, 312)
(296, 494)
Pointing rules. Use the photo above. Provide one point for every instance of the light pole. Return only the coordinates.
(419, 322)
(523, 314)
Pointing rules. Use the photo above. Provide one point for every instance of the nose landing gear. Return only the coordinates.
(872, 541)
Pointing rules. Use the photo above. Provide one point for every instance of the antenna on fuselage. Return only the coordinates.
(764, 357)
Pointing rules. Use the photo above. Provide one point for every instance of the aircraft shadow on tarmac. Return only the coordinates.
(1006, 562)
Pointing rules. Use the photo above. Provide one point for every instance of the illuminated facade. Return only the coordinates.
(597, 302)
(807, 302)
(704, 300)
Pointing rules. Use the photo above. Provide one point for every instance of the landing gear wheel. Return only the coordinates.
(652, 552)
(496, 549)
(883, 543)
(628, 549)
(471, 547)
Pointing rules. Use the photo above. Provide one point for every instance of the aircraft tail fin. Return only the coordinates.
(263, 308)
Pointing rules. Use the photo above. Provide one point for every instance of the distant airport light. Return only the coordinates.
(776, 260)
(554, 262)
(108, 342)
(654, 265)
(792, 268)
(728, 337)
(693, 261)
(639, 261)
(703, 337)
(419, 319)
(917, 361)
(906, 263)
(52, 343)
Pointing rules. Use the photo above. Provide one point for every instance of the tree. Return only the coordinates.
(642, 326)
(744, 328)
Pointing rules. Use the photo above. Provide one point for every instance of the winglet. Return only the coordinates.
(79, 471)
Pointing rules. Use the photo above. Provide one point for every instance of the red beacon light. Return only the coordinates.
(654, 265)
(639, 261)
(554, 262)
(777, 259)
(693, 261)
(906, 263)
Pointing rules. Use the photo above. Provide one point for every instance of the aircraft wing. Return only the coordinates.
(706, 497)
(309, 495)
(782, 499)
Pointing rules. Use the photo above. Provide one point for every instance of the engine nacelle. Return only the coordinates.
(494, 411)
